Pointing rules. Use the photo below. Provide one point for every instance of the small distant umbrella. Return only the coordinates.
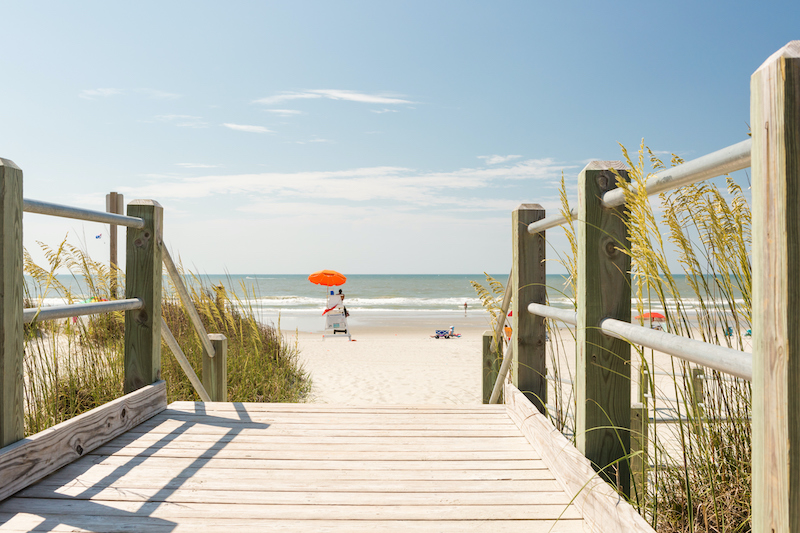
(328, 278)
(652, 316)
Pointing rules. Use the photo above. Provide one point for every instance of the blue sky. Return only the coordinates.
(368, 137)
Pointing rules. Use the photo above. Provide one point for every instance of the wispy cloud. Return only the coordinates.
(495, 159)
(156, 94)
(195, 165)
(381, 111)
(334, 94)
(183, 121)
(314, 140)
(91, 94)
(284, 112)
(398, 185)
(248, 128)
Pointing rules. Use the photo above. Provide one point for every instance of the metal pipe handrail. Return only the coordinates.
(66, 311)
(553, 221)
(77, 213)
(724, 161)
(728, 360)
(730, 159)
(554, 313)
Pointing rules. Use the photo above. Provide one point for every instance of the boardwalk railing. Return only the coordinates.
(605, 419)
(144, 329)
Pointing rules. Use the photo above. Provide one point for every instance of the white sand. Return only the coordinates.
(394, 366)
(403, 365)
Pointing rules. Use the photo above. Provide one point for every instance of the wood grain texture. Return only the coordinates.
(186, 300)
(183, 361)
(604, 510)
(603, 375)
(528, 367)
(143, 280)
(218, 468)
(639, 451)
(24, 522)
(29, 460)
(215, 369)
(491, 365)
(775, 161)
(11, 284)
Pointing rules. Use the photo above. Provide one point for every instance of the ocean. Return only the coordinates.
(292, 302)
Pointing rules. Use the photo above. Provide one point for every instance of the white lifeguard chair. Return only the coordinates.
(335, 319)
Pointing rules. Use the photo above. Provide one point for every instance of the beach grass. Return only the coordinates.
(697, 474)
(73, 365)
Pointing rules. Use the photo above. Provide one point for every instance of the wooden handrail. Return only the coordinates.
(183, 293)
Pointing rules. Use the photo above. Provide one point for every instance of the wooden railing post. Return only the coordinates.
(698, 397)
(528, 369)
(11, 283)
(639, 457)
(115, 203)
(215, 369)
(775, 162)
(143, 280)
(491, 365)
(603, 385)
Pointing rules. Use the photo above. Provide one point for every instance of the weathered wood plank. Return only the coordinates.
(209, 428)
(215, 369)
(186, 300)
(11, 283)
(172, 511)
(232, 450)
(491, 365)
(372, 496)
(226, 524)
(268, 442)
(528, 368)
(115, 203)
(775, 161)
(327, 408)
(603, 376)
(29, 460)
(334, 419)
(183, 361)
(374, 466)
(599, 504)
(240, 475)
(143, 280)
(639, 454)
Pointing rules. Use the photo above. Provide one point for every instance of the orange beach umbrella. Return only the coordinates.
(652, 316)
(328, 278)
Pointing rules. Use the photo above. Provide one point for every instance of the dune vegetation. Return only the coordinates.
(73, 365)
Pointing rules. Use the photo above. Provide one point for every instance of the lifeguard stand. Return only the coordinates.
(335, 319)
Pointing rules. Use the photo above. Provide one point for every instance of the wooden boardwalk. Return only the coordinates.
(298, 467)
(302, 467)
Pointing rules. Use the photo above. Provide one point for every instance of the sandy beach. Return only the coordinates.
(395, 364)
(401, 364)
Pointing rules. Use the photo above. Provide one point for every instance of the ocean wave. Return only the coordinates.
(397, 302)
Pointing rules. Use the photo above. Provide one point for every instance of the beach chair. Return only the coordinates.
(335, 319)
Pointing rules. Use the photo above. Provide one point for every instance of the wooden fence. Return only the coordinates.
(605, 419)
(25, 460)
